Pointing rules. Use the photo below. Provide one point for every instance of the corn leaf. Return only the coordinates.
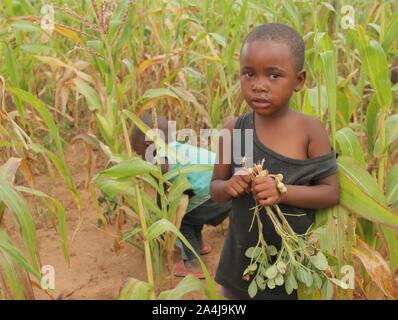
(358, 202)
(372, 123)
(375, 63)
(19, 208)
(392, 185)
(93, 100)
(186, 285)
(349, 145)
(136, 290)
(60, 213)
(162, 226)
(391, 32)
(8, 248)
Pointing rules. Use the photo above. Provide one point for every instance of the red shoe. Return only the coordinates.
(205, 249)
(181, 271)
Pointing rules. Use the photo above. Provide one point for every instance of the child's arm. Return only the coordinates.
(223, 186)
(324, 193)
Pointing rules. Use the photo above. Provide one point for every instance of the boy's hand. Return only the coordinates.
(238, 184)
(265, 191)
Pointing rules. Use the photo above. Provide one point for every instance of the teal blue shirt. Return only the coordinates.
(200, 181)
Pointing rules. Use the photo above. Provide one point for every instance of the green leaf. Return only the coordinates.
(349, 145)
(279, 281)
(186, 285)
(362, 178)
(113, 187)
(194, 168)
(136, 290)
(7, 247)
(23, 25)
(372, 123)
(92, 97)
(317, 281)
(61, 217)
(288, 287)
(281, 267)
(376, 65)
(20, 210)
(307, 277)
(392, 185)
(252, 289)
(158, 93)
(44, 113)
(319, 261)
(131, 168)
(271, 283)
(261, 283)
(329, 63)
(12, 280)
(272, 251)
(271, 272)
(354, 199)
(253, 252)
(179, 186)
(291, 283)
(390, 236)
(327, 290)
(162, 226)
(302, 276)
(35, 48)
(391, 32)
(391, 129)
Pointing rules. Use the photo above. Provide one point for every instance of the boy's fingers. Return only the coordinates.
(232, 192)
(238, 188)
(260, 180)
(242, 183)
(263, 195)
(259, 187)
(246, 178)
(269, 201)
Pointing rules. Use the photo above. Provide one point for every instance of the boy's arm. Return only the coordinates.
(324, 192)
(224, 186)
(222, 168)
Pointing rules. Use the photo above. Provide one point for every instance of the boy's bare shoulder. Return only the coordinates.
(230, 124)
(311, 124)
(318, 140)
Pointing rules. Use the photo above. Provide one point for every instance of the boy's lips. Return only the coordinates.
(260, 103)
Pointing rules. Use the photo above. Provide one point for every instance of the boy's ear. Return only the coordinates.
(300, 80)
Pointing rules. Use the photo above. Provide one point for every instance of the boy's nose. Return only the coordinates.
(260, 86)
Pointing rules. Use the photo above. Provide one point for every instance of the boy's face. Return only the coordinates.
(268, 76)
(140, 146)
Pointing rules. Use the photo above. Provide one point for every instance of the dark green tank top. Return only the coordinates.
(296, 172)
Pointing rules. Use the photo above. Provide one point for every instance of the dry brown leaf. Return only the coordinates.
(377, 268)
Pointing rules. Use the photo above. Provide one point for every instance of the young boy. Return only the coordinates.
(201, 209)
(291, 143)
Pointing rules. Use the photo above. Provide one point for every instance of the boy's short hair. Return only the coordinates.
(138, 136)
(281, 33)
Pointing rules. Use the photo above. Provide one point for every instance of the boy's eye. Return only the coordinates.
(249, 74)
(274, 76)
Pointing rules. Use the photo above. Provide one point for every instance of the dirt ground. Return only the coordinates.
(96, 270)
